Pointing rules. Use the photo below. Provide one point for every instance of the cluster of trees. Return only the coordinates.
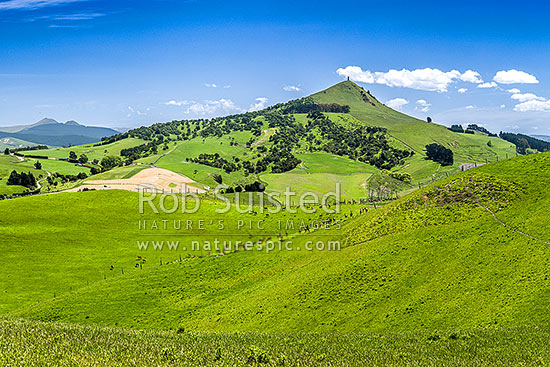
(65, 178)
(22, 179)
(133, 153)
(110, 162)
(366, 144)
(401, 176)
(35, 147)
(456, 128)
(524, 142)
(73, 158)
(480, 129)
(471, 129)
(249, 187)
(438, 153)
(216, 161)
(307, 105)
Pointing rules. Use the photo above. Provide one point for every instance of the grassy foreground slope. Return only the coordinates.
(75, 240)
(39, 344)
(436, 259)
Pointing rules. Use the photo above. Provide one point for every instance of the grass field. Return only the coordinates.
(9, 164)
(439, 264)
(91, 151)
(41, 344)
(73, 239)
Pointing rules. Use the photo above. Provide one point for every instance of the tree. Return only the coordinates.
(490, 144)
(22, 179)
(7, 151)
(457, 128)
(72, 156)
(83, 159)
(38, 165)
(438, 153)
(82, 176)
(217, 177)
(429, 119)
(110, 162)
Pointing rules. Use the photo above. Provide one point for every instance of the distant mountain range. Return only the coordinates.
(542, 137)
(53, 133)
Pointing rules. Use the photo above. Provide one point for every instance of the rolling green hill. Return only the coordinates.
(434, 260)
(282, 145)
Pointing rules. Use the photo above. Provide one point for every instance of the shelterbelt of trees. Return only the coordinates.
(366, 144)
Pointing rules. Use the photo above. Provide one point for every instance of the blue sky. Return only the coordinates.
(130, 63)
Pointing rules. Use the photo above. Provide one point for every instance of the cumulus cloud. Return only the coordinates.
(470, 107)
(514, 76)
(207, 107)
(513, 91)
(397, 103)
(177, 103)
(488, 85)
(502, 106)
(427, 79)
(210, 85)
(259, 105)
(422, 105)
(462, 90)
(226, 86)
(471, 76)
(533, 105)
(526, 97)
(292, 88)
(32, 4)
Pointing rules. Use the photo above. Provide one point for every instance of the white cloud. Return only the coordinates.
(514, 76)
(526, 97)
(471, 76)
(423, 105)
(488, 85)
(502, 106)
(226, 86)
(176, 103)
(259, 105)
(210, 85)
(427, 79)
(207, 107)
(292, 88)
(470, 107)
(513, 91)
(134, 111)
(462, 90)
(397, 103)
(534, 105)
(32, 4)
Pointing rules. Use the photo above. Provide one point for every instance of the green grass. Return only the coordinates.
(431, 261)
(39, 344)
(91, 151)
(414, 133)
(175, 160)
(120, 172)
(7, 165)
(73, 239)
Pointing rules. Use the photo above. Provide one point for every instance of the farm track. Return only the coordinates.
(509, 226)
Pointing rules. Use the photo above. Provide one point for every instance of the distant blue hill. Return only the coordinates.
(53, 133)
(542, 137)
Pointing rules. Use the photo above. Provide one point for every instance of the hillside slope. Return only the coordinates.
(414, 133)
(436, 259)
